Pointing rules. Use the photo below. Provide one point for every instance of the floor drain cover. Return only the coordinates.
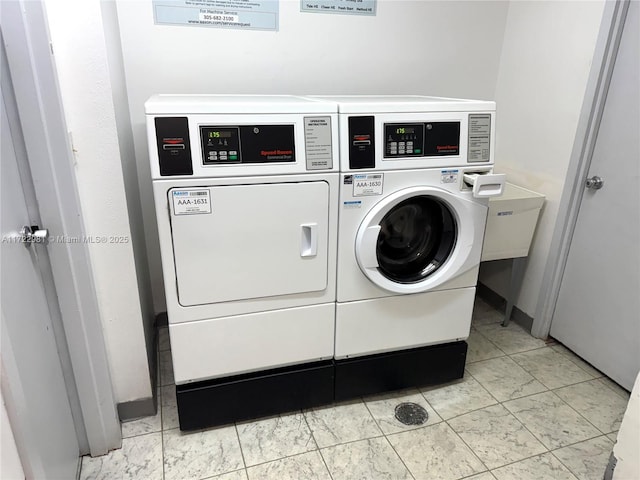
(410, 413)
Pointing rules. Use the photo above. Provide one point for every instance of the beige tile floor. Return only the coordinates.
(525, 409)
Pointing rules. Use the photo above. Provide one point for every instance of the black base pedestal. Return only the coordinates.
(222, 401)
(417, 367)
(244, 397)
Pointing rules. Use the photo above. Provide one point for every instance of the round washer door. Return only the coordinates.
(416, 239)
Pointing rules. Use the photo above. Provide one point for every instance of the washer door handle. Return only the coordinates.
(309, 240)
(368, 246)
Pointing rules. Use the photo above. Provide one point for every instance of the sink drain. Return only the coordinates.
(410, 413)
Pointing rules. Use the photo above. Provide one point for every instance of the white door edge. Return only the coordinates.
(586, 134)
(25, 33)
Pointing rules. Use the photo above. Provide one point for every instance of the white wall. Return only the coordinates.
(81, 60)
(421, 47)
(129, 170)
(546, 57)
(10, 463)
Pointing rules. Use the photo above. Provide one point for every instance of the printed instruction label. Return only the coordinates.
(242, 14)
(317, 141)
(348, 7)
(449, 176)
(367, 184)
(191, 202)
(479, 137)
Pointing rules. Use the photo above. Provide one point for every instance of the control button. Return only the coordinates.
(394, 144)
(233, 157)
(223, 157)
(409, 150)
(233, 152)
(223, 153)
(409, 144)
(393, 151)
(401, 152)
(402, 145)
(417, 150)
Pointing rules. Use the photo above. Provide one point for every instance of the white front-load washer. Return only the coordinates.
(416, 176)
(246, 199)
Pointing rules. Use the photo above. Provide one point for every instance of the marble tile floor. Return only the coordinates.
(525, 409)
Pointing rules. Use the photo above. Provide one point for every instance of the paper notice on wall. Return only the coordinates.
(347, 7)
(242, 14)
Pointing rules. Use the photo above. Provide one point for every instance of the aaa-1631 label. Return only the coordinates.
(191, 202)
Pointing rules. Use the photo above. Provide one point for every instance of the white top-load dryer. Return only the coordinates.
(246, 197)
(416, 177)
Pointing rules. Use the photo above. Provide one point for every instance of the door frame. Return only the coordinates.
(50, 158)
(595, 97)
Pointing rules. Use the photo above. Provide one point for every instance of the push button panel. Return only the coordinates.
(220, 145)
(403, 140)
(244, 144)
(430, 139)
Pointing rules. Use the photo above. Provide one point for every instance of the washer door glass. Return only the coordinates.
(416, 238)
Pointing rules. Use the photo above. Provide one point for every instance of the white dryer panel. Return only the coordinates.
(240, 344)
(393, 323)
(256, 241)
(324, 190)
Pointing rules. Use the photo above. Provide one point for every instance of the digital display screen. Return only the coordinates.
(403, 140)
(217, 134)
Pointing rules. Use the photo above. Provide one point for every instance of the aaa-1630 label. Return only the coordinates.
(368, 184)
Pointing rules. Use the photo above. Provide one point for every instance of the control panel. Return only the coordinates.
(221, 144)
(404, 140)
(430, 139)
(247, 144)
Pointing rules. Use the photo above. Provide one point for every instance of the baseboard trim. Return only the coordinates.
(162, 319)
(498, 302)
(611, 466)
(144, 407)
